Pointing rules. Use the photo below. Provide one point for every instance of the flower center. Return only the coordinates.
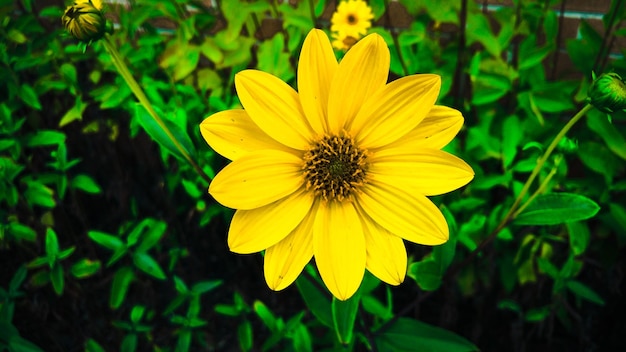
(352, 19)
(335, 167)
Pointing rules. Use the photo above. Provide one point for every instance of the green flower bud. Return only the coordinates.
(84, 20)
(607, 93)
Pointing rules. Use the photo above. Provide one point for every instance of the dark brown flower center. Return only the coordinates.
(352, 19)
(335, 167)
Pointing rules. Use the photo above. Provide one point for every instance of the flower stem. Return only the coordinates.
(143, 100)
(512, 212)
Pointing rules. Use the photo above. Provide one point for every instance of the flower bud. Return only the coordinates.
(84, 20)
(607, 93)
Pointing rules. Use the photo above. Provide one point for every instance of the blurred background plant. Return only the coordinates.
(109, 241)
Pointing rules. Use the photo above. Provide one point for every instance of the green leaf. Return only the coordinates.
(56, 277)
(537, 314)
(344, 316)
(557, 208)
(152, 236)
(121, 281)
(147, 264)
(44, 138)
(17, 280)
(20, 231)
(205, 286)
(273, 59)
(578, 236)
(244, 332)
(426, 273)
(38, 194)
(52, 246)
(158, 134)
(74, 113)
(137, 313)
(583, 291)
(29, 96)
(16, 36)
(92, 346)
(106, 240)
(512, 135)
(129, 343)
(318, 303)
(599, 123)
(85, 268)
(412, 335)
(184, 341)
(266, 315)
(86, 184)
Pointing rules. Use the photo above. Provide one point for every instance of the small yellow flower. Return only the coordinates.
(84, 20)
(352, 18)
(342, 41)
(340, 170)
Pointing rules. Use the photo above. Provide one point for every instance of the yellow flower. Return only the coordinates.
(84, 20)
(338, 171)
(342, 41)
(352, 18)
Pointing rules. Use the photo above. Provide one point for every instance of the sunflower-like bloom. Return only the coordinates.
(352, 18)
(341, 41)
(338, 171)
(84, 20)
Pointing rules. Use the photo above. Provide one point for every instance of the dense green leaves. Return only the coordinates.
(412, 335)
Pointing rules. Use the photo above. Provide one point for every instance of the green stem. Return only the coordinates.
(511, 214)
(143, 100)
(542, 187)
(541, 162)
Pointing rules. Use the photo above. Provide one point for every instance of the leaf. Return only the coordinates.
(105, 240)
(52, 246)
(85, 268)
(121, 281)
(318, 303)
(583, 291)
(152, 236)
(512, 135)
(427, 274)
(38, 194)
(158, 134)
(44, 138)
(344, 316)
(92, 346)
(147, 264)
(578, 236)
(412, 335)
(56, 277)
(273, 59)
(266, 315)
(86, 184)
(74, 113)
(557, 208)
(599, 123)
(244, 331)
(29, 96)
(20, 231)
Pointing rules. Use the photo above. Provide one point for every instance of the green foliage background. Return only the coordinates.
(109, 240)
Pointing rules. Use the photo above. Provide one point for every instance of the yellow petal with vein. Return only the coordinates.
(232, 134)
(254, 230)
(274, 106)
(257, 179)
(339, 247)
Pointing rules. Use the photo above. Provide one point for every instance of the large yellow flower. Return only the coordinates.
(338, 171)
(352, 18)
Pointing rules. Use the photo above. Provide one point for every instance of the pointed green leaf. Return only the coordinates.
(583, 291)
(52, 246)
(121, 282)
(85, 268)
(266, 315)
(412, 335)
(316, 300)
(106, 240)
(426, 273)
(158, 134)
(148, 265)
(56, 276)
(344, 316)
(557, 208)
(85, 183)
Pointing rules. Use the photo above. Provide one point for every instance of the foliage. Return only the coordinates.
(109, 241)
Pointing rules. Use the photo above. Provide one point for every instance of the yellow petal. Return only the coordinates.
(410, 216)
(395, 110)
(316, 69)
(257, 179)
(339, 247)
(361, 73)
(232, 134)
(425, 171)
(386, 255)
(285, 260)
(436, 130)
(254, 230)
(274, 106)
